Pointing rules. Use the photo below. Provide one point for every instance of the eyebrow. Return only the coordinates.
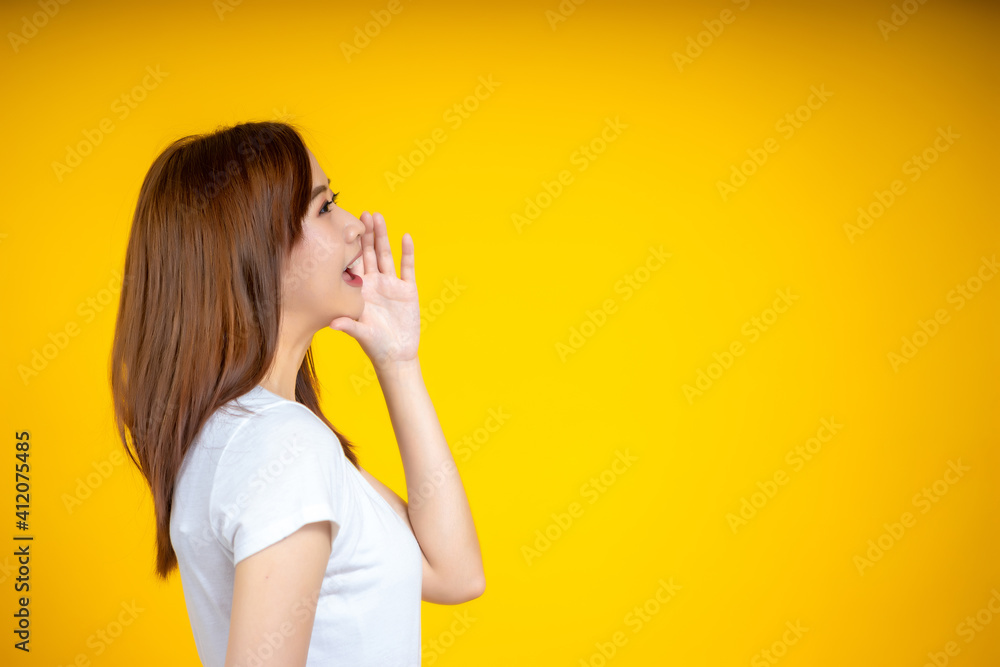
(318, 190)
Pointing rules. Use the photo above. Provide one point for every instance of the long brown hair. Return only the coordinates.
(199, 312)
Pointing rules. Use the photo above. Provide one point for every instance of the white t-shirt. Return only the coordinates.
(250, 480)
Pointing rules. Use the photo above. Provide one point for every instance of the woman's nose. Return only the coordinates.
(357, 229)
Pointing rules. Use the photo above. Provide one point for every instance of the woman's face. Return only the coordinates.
(315, 290)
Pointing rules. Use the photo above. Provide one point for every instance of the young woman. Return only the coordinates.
(289, 552)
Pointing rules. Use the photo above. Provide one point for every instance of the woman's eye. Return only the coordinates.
(329, 202)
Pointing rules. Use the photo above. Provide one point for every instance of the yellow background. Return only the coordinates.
(494, 346)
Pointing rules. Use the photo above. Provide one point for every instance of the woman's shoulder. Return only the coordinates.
(261, 407)
(269, 425)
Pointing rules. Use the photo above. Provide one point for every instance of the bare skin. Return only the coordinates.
(383, 315)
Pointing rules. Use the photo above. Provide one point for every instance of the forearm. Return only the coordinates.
(437, 505)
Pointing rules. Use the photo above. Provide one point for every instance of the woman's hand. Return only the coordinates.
(389, 327)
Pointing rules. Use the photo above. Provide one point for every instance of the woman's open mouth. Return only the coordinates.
(350, 278)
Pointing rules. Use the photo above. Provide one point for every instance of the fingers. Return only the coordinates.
(377, 252)
(368, 242)
(345, 324)
(406, 268)
(383, 251)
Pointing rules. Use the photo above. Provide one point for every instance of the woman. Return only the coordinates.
(289, 552)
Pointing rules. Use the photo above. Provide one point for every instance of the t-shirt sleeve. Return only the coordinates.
(281, 470)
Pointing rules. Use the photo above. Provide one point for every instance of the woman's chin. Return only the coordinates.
(354, 311)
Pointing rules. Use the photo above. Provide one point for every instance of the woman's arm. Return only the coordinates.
(438, 509)
(388, 330)
(275, 592)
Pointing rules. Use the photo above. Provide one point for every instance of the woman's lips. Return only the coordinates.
(351, 279)
(355, 264)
